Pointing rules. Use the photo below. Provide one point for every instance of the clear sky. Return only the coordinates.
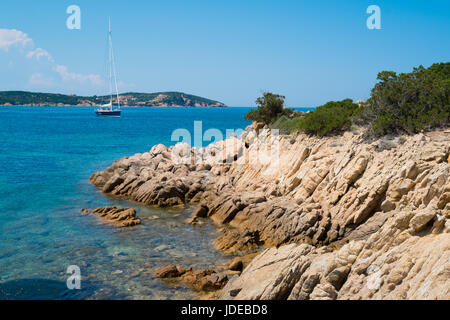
(309, 51)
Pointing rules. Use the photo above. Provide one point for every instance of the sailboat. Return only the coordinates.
(108, 109)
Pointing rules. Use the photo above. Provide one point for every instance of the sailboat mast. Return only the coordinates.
(110, 62)
(108, 109)
(113, 66)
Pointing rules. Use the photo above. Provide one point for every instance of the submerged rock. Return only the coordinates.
(124, 217)
(85, 211)
(201, 280)
(169, 271)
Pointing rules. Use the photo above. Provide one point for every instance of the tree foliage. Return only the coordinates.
(399, 103)
(270, 107)
(410, 102)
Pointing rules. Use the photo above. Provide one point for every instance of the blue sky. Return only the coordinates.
(309, 51)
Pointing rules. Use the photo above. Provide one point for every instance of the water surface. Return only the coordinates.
(46, 158)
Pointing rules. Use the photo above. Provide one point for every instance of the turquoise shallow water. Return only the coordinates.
(46, 158)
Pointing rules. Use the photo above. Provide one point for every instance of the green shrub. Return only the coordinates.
(279, 123)
(332, 117)
(270, 107)
(290, 126)
(410, 102)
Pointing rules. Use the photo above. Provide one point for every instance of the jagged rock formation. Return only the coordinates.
(396, 262)
(359, 219)
(124, 217)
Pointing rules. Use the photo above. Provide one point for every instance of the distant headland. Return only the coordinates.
(131, 99)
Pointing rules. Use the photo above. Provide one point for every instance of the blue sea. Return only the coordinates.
(47, 155)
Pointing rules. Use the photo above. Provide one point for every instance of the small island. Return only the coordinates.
(130, 99)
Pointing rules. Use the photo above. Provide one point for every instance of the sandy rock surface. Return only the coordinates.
(342, 217)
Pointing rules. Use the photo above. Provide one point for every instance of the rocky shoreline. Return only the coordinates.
(340, 217)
